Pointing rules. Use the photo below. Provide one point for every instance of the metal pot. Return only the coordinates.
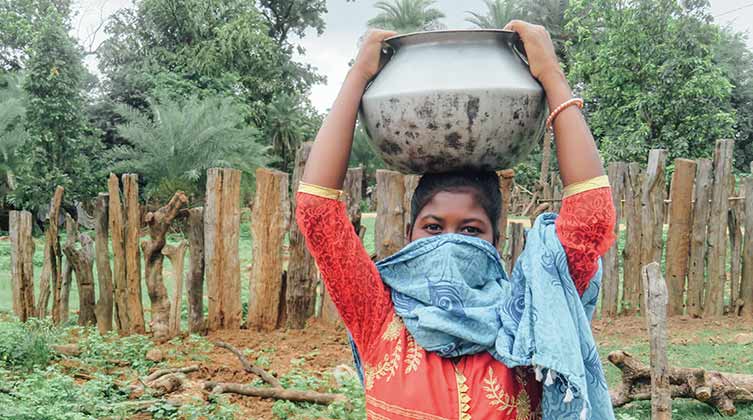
(449, 100)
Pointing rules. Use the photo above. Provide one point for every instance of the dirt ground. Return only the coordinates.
(325, 347)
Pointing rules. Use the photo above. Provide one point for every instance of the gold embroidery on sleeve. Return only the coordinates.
(387, 367)
(393, 330)
(497, 396)
(413, 356)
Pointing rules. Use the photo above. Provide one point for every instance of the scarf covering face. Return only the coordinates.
(456, 299)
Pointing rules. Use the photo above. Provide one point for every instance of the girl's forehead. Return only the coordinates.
(453, 202)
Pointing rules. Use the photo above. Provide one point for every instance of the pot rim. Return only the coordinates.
(424, 37)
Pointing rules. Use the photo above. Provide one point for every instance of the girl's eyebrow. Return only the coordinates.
(431, 216)
(472, 219)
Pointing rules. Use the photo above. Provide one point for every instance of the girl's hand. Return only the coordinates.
(542, 59)
(367, 61)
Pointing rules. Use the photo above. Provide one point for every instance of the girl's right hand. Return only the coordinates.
(367, 61)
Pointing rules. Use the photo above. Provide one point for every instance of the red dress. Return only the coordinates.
(402, 380)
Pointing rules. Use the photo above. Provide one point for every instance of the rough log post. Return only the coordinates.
(195, 284)
(158, 223)
(389, 234)
(132, 209)
(410, 182)
(746, 283)
(735, 222)
(517, 242)
(302, 271)
(506, 182)
(221, 236)
(655, 305)
(631, 255)
(52, 271)
(652, 209)
(21, 264)
(698, 244)
(680, 226)
(116, 221)
(104, 272)
(611, 283)
(269, 223)
(82, 261)
(176, 255)
(71, 232)
(713, 304)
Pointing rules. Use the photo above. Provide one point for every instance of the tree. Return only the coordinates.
(292, 16)
(407, 16)
(176, 142)
(289, 125)
(13, 134)
(647, 72)
(498, 14)
(19, 20)
(60, 150)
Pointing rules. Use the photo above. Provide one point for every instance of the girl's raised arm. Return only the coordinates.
(328, 161)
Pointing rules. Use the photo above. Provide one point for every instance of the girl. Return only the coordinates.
(441, 331)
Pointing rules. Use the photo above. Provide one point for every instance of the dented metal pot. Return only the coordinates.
(450, 100)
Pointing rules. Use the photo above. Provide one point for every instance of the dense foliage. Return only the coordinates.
(407, 16)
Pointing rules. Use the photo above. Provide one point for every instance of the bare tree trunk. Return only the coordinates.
(52, 272)
(158, 223)
(713, 305)
(195, 284)
(678, 238)
(655, 305)
(746, 283)
(698, 240)
(302, 271)
(389, 235)
(132, 258)
(631, 255)
(269, 223)
(21, 264)
(611, 282)
(735, 222)
(104, 272)
(71, 232)
(176, 255)
(652, 211)
(82, 261)
(115, 216)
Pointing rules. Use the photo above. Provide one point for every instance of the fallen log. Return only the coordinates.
(248, 367)
(720, 390)
(276, 393)
(162, 372)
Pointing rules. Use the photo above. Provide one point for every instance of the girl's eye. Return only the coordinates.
(433, 228)
(470, 230)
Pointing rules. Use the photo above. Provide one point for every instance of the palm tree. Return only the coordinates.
(285, 127)
(174, 145)
(498, 14)
(407, 16)
(551, 15)
(12, 132)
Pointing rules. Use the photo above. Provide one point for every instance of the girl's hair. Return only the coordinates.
(484, 185)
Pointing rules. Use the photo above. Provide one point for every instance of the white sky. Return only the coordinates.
(346, 21)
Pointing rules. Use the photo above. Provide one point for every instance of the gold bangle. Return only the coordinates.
(319, 191)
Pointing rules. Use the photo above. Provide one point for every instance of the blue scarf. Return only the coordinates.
(456, 299)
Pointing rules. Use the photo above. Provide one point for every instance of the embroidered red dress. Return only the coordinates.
(402, 380)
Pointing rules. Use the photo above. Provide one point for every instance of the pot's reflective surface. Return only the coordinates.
(454, 99)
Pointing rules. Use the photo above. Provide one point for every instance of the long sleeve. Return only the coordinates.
(585, 227)
(351, 278)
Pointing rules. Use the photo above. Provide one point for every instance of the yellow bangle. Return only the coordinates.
(318, 191)
(587, 185)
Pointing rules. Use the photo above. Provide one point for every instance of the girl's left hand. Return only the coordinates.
(542, 59)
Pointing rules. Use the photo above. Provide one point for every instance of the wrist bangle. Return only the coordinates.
(575, 101)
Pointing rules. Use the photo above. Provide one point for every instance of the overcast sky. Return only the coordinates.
(346, 21)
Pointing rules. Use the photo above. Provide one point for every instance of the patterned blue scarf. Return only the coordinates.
(456, 299)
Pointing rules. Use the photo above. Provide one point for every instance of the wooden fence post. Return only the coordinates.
(52, 271)
(655, 308)
(652, 211)
(82, 261)
(678, 238)
(116, 221)
(104, 272)
(71, 237)
(302, 275)
(195, 284)
(611, 282)
(132, 210)
(506, 182)
(746, 283)
(713, 305)
(21, 264)
(410, 182)
(631, 255)
(176, 255)
(269, 223)
(698, 240)
(735, 223)
(159, 222)
(221, 240)
(389, 234)
(517, 242)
